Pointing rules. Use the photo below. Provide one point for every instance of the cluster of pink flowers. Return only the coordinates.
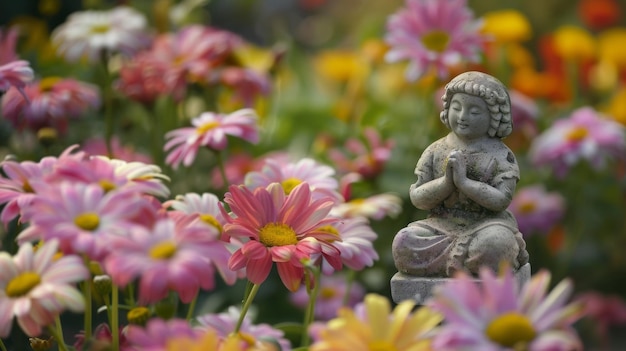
(51, 102)
(194, 54)
(112, 213)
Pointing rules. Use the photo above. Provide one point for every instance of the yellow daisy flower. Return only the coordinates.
(380, 328)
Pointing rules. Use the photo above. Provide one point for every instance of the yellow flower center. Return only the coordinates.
(87, 221)
(22, 284)
(210, 220)
(27, 187)
(273, 234)
(289, 184)
(138, 315)
(107, 185)
(46, 84)
(527, 207)
(381, 345)
(330, 230)
(100, 28)
(437, 40)
(162, 251)
(206, 127)
(577, 134)
(510, 330)
(327, 293)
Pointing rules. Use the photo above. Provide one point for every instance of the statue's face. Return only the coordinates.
(468, 116)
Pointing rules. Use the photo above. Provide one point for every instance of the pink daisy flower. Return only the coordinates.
(170, 256)
(247, 84)
(291, 174)
(81, 216)
(52, 102)
(366, 157)
(332, 292)
(238, 165)
(101, 336)
(157, 333)
(206, 207)
(112, 174)
(433, 34)
(356, 246)
(35, 287)
(536, 210)
(145, 78)
(210, 130)
(584, 135)
(496, 315)
(606, 312)
(193, 52)
(224, 324)
(16, 191)
(281, 228)
(13, 71)
(375, 207)
(91, 33)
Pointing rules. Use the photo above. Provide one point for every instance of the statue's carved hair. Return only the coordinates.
(491, 90)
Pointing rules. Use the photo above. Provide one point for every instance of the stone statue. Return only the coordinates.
(466, 181)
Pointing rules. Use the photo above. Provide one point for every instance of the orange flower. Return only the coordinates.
(598, 14)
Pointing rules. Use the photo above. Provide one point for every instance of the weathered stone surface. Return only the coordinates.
(419, 289)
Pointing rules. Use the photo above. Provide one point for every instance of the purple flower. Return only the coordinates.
(495, 315)
(584, 135)
(536, 210)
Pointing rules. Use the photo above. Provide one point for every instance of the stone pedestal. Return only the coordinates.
(419, 289)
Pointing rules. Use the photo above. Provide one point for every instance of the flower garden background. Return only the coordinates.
(227, 175)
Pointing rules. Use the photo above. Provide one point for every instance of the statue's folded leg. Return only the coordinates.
(491, 246)
(420, 251)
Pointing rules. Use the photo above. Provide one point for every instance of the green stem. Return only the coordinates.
(107, 96)
(192, 307)
(220, 164)
(107, 303)
(2, 347)
(310, 311)
(246, 305)
(59, 327)
(131, 295)
(349, 280)
(157, 136)
(87, 320)
(114, 322)
(58, 336)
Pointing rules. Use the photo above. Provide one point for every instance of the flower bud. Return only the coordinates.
(102, 284)
(138, 316)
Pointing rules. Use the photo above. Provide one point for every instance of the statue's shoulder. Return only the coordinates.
(501, 151)
(440, 145)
